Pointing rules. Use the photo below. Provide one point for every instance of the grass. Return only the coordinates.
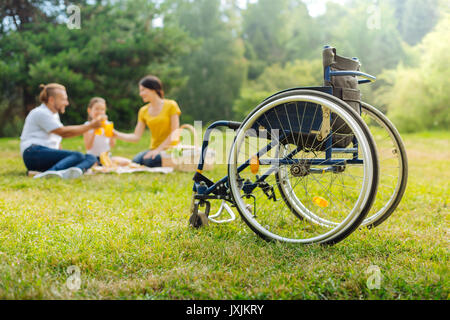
(130, 239)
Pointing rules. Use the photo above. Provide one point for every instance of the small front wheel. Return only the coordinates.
(199, 218)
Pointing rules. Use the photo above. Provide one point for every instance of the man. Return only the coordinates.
(40, 142)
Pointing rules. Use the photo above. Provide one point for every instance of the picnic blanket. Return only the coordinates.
(128, 169)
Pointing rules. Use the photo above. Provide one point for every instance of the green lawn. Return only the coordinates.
(130, 239)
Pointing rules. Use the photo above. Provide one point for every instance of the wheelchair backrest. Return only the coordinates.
(344, 87)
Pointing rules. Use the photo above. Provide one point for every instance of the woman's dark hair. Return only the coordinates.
(153, 83)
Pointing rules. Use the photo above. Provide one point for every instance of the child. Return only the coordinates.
(97, 142)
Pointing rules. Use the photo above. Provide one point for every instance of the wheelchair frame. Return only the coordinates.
(205, 189)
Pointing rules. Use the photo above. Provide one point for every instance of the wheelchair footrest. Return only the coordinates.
(219, 213)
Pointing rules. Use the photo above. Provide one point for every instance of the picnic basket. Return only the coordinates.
(185, 157)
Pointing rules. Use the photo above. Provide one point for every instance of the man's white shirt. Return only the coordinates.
(37, 129)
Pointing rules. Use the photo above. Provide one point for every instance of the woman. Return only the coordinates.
(161, 116)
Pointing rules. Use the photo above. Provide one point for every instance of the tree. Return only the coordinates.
(364, 30)
(216, 68)
(299, 73)
(303, 35)
(114, 48)
(415, 18)
(417, 97)
(18, 14)
(264, 34)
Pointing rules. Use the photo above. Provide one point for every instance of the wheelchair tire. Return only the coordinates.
(277, 214)
(393, 165)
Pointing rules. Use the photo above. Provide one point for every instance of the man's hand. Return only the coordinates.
(97, 122)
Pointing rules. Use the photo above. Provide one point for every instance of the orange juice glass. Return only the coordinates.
(99, 131)
(109, 127)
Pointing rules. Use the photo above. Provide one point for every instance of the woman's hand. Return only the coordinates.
(131, 137)
(112, 142)
(152, 154)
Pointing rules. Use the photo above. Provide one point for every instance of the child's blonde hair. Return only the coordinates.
(94, 101)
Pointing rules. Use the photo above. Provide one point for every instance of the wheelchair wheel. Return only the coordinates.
(286, 186)
(393, 165)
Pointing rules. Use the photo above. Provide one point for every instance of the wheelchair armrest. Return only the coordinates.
(234, 125)
(224, 123)
(368, 78)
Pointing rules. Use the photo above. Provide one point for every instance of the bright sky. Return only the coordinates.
(318, 7)
(315, 7)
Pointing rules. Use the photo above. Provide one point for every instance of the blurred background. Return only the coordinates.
(220, 58)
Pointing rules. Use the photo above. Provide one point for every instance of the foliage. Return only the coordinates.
(365, 31)
(264, 33)
(417, 97)
(248, 100)
(277, 32)
(215, 68)
(299, 73)
(215, 58)
(415, 18)
(16, 15)
(91, 62)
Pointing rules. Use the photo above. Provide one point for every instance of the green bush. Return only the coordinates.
(417, 97)
(299, 73)
(248, 100)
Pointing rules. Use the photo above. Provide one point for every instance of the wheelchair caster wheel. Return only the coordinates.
(199, 219)
(196, 220)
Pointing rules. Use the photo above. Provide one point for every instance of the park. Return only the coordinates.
(112, 235)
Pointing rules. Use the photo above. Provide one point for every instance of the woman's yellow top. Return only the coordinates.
(159, 125)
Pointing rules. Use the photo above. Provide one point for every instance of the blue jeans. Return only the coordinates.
(40, 158)
(152, 163)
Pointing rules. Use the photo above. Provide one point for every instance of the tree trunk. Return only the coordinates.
(29, 102)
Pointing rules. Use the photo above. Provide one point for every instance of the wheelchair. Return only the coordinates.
(306, 163)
